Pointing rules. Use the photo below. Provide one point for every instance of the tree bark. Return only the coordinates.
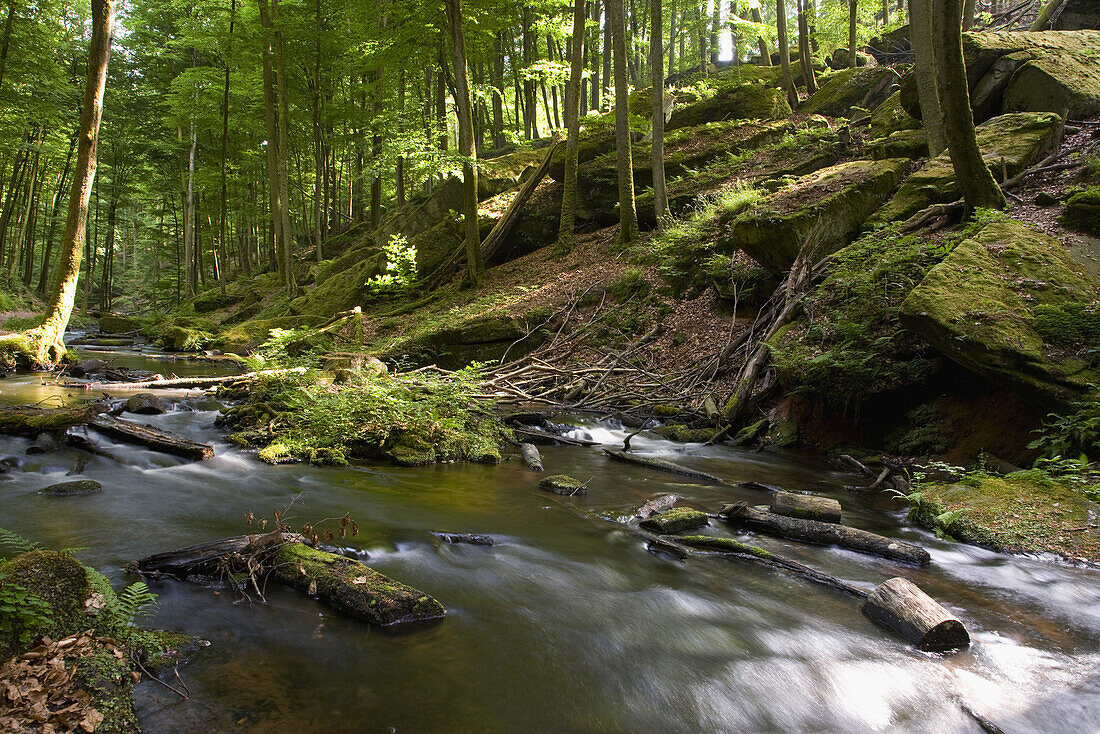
(475, 264)
(785, 52)
(1042, 21)
(628, 216)
(920, 31)
(979, 188)
(853, 31)
(805, 58)
(573, 125)
(47, 341)
(899, 605)
(765, 55)
(657, 80)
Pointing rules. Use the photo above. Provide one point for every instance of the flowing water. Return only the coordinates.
(567, 624)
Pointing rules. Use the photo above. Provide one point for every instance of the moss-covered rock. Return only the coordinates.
(246, 336)
(1009, 143)
(54, 577)
(114, 324)
(890, 117)
(836, 201)
(215, 300)
(840, 92)
(986, 304)
(912, 144)
(77, 488)
(340, 291)
(1024, 512)
(739, 102)
(676, 520)
(685, 434)
(562, 484)
(183, 334)
(353, 588)
(1083, 211)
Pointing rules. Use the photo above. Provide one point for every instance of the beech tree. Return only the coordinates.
(573, 125)
(656, 61)
(628, 217)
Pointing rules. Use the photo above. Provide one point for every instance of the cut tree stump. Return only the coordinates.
(152, 438)
(825, 533)
(899, 605)
(652, 462)
(353, 588)
(806, 506)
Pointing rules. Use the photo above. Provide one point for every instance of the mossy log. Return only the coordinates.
(152, 438)
(825, 533)
(806, 506)
(652, 462)
(353, 588)
(27, 420)
(181, 383)
(899, 605)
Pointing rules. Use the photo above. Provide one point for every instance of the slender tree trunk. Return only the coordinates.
(55, 214)
(475, 266)
(805, 58)
(657, 65)
(48, 342)
(225, 131)
(272, 125)
(319, 155)
(1042, 21)
(785, 51)
(715, 24)
(605, 94)
(399, 174)
(499, 139)
(968, 14)
(977, 184)
(573, 125)
(4, 42)
(765, 54)
(628, 216)
(853, 32)
(920, 30)
(673, 33)
(284, 149)
(377, 80)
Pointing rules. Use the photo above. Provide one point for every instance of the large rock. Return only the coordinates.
(1083, 211)
(1009, 143)
(115, 324)
(1011, 305)
(835, 200)
(892, 47)
(77, 488)
(740, 102)
(56, 578)
(1078, 14)
(145, 403)
(890, 117)
(862, 87)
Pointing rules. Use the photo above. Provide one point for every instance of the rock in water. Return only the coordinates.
(562, 484)
(86, 367)
(78, 488)
(468, 538)
(676, 520)
(145, 403)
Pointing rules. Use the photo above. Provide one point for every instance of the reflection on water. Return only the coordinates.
(567, 624)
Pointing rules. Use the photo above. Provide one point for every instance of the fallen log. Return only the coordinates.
(468, 538)
(806, 506)
(824, 533)
(181, 383)
(533, 435)
(531, 457)
(655, 505)
(652, 462)
(353, 588)
(152, 438)
(898, 604)
(211, 559)
(31, 420)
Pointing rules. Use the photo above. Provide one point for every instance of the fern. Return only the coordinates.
(134, 601)
(16, 542)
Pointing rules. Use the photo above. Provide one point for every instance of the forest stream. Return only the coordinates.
(567, 623)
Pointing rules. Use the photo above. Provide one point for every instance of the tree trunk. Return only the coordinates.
(275, 203)
(657, 65)
(628, 217)
(804, 56)
(284, 150)
(785, 52)
(1042, 21)
(48, 345)
(573, 124)
(475, 265)
(5, 40)
(979, 189)
(55, 213)
(765, 55)
(225, 133)
(853, 32)
(920, 30)
(605, 93)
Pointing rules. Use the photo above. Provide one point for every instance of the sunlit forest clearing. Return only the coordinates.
(594, 366)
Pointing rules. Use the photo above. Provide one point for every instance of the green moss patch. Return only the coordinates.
(676, 520)
(862, 86)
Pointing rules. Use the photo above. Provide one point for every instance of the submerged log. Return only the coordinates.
(152, 438)
(806, 506)
(532, 459)
(899, 605)
(652, 462)
(29, 420)
(468, 538)
(183, 383)
(825, 533)
(353, 588)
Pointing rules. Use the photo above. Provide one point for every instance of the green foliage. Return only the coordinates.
(134, 601)
(1068, 325)
(22, 614)
(631, 283)
(1074, 433)
(16, 543)
(400, 268)
(279, 351)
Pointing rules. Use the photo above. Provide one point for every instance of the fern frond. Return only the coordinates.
(135, 600)
(16, 542)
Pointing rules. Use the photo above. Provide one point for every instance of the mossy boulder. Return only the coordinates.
(247, 336)
(1083, 211)
(114, 324)
(340, 291)
(562, 484)
(912, 144)
(864, 87)
(835, 201)
(890, 117)
(485, 329)
(56, 578)
(1009, 144)
(994, 306)
(685, 434)
(215, 300)
(353, 588)
(145, 403)
(676, 520)
(78, 488)
(740, 102)
(183, 334)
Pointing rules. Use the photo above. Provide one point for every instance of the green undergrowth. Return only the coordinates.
(410, 419)
(849, 344)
